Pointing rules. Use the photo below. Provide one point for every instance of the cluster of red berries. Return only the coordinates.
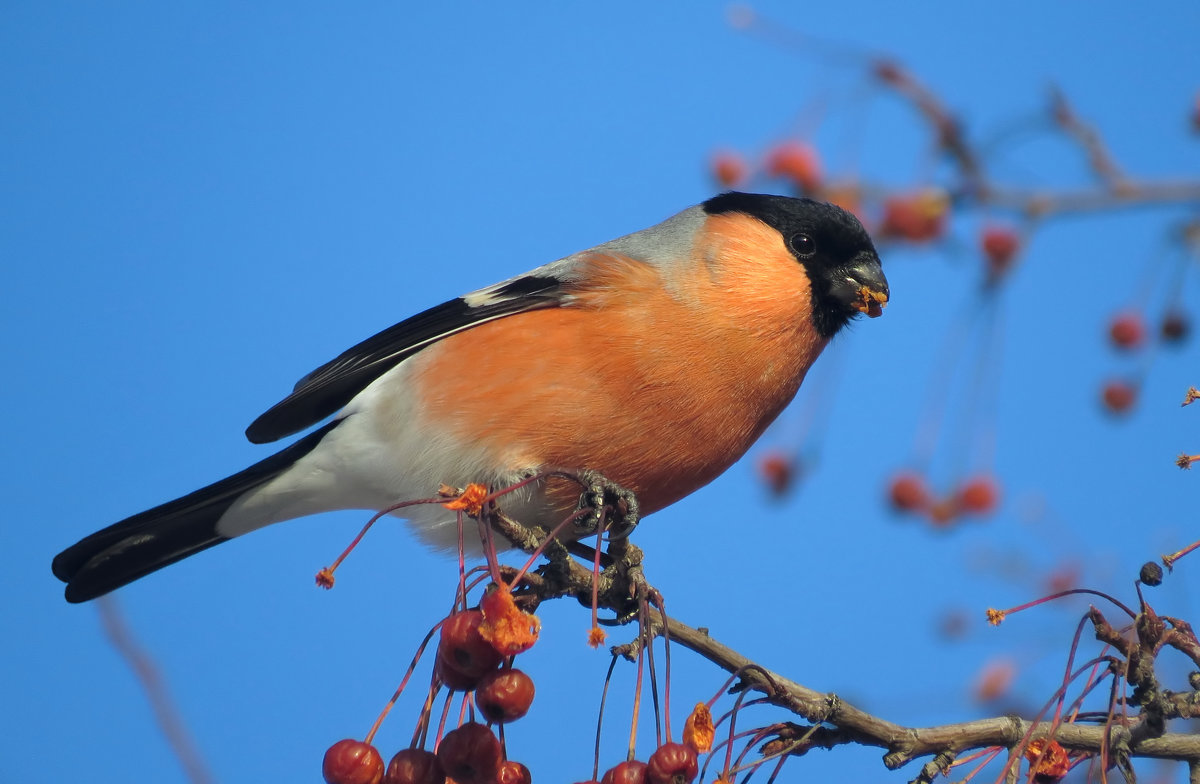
(1127, 332)
(466, 661)
(918, 216)
(470, 754)
(794, 161)
(915, 217)
(977, 496)
(671, 763)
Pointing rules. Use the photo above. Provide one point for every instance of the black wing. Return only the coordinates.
(331, 386)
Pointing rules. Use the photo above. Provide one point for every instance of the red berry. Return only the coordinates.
(978, 495)
(352, 761)
(1000, 245)
(504, 695)
(729, 169)
(453, 678)
(908, 493)
(513, 773)
(995, 679)
(918, 217)
(672, 763)
(631, 772)
(1119, 396)
(1175, 326)
(414, 766)
(797, 162)
(777, 470)
(470, 754)
(1064, 577)
(846, 195)
(463, 648)
(1127, 330)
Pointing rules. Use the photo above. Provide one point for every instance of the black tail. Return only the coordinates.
(158, 537)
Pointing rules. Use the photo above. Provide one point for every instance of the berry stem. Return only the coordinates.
(996, 616)
(466, 710)
(666, 635)
(600, 718)
(637, 702)
(489, 548)
(596, 579)
(421, 731)
(403, 682)
(553, 535)
(441, 730)
(1169, 560)
(756, 735)
(648, 647)
(462, 561)
(988, 755)
(325, 576)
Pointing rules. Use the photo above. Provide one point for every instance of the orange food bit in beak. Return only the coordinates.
(871, 302)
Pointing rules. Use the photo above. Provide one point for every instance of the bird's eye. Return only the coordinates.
(803, 245)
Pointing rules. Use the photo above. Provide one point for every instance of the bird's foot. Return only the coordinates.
(607, 504)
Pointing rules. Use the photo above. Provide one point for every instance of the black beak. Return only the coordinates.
(861, 286)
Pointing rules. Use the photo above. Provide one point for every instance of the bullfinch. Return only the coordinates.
(655, 359)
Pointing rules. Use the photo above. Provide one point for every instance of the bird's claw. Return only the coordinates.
(608, 505)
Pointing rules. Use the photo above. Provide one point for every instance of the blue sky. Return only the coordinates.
(199, 203)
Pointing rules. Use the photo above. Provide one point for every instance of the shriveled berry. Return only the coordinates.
(672, 763)
(463, 648)
(908, 493)
(513, 773)
(631, 772)
(1151, 574)
(414, 766)
(470, 754)
(504, 695)
(1175, 326)
(352, 761)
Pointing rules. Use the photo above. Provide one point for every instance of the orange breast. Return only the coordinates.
(658, 377)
